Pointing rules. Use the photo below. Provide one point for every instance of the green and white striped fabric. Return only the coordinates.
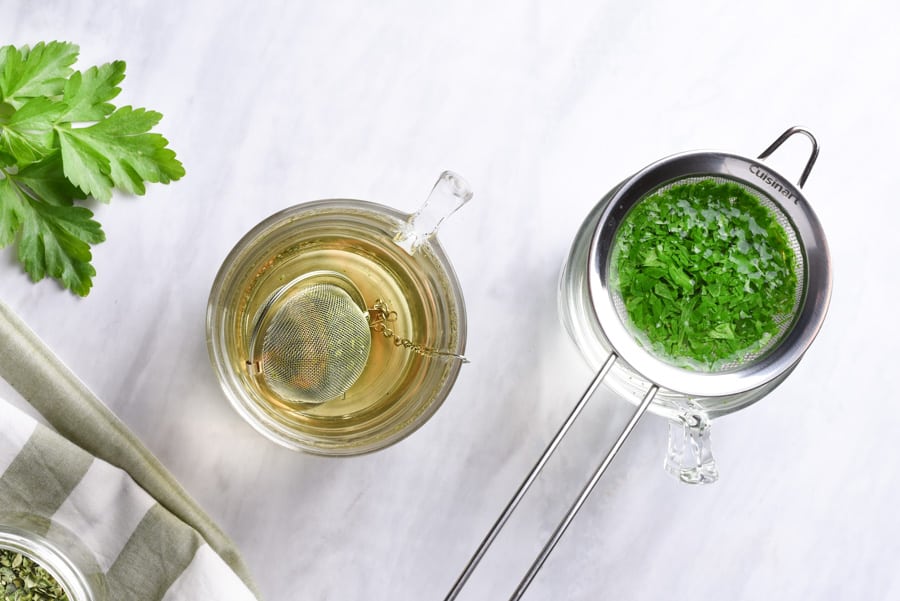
(91, 474)
(145, 551)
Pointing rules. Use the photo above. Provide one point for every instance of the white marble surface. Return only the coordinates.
(543, 106)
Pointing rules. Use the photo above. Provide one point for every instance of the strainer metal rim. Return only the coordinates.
(817, 274)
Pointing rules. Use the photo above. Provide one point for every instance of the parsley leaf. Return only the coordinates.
(28, 134)
(12, 213)
(87, 94)
(118, 152)
(47, 181)
(53, 239)
(31, 73)
(62, 140)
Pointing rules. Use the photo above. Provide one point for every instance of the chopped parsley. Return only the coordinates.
(706, 274)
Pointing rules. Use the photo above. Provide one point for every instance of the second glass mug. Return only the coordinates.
(689, 456)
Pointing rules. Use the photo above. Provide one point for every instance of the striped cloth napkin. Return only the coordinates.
(146, 552)
(91, 474)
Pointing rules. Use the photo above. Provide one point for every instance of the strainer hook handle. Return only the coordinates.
(787, 134)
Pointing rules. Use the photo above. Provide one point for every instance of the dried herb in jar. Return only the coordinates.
(22, 579)
(706, 273)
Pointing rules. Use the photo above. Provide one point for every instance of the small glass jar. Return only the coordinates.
(58, 551)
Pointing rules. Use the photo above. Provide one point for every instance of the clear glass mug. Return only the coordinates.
(398, 267)
(591, 322)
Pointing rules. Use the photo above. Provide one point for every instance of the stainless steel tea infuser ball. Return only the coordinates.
(595, 315)
(312, 338)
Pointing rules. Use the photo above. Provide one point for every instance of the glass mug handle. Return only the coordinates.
(689, 454)
(449, 193)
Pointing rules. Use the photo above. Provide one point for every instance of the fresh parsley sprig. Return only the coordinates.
(61, 141)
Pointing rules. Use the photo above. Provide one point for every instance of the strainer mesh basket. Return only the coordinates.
(783, 321)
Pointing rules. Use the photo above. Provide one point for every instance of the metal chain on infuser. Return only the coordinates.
(380, 315)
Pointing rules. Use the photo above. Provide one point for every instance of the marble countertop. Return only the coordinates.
(543, 107)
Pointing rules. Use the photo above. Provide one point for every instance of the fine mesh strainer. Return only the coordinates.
(811, 265)
(705, 223)
(595, 314)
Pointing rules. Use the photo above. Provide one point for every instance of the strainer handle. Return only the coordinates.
(585, 493)
(529, 479)
(787, 134)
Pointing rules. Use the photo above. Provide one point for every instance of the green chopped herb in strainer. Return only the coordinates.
(21, 579)
(706, 273)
